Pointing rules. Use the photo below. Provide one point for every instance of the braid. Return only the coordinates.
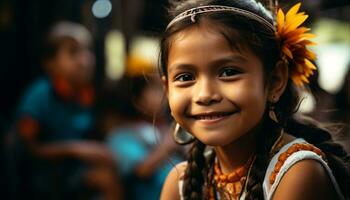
(257, 173)
(337, 158)
(195, 172)
(254, 186)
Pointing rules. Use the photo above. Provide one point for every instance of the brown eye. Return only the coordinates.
(229, 71)
(184, 77)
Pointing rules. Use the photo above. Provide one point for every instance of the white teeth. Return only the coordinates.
(210, 117)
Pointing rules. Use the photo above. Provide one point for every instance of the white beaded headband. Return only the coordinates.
(216, 8)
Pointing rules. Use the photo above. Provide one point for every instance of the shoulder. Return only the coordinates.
(171, 186)
(34, 98)
(39, 87)
(306, 179)
(299, 171)
(37, 91)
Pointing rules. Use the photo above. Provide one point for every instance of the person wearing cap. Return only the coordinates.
(54, 121)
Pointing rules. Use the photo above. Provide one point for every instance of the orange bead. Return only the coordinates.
(217, 169)
(297, 146)
(238, 187)
(278, 166)
(241, 171)
(233, 177)
(272, 178)
(219, 185)
(283, 157)
(290, 151)
(310, 147)
(304, 147)
(229, 187)
(223, 178)
(216, 178)
(233, 181)
(318, 151)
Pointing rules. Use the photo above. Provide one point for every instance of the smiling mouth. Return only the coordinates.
(215, 116)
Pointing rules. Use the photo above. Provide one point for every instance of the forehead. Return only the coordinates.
(204, 41)
(234, 36)
(198, 36)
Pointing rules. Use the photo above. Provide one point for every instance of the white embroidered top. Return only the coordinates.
(269, 189)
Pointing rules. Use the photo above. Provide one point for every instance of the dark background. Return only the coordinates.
(23, 24)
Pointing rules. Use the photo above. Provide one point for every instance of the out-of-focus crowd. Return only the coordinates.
(71, 139)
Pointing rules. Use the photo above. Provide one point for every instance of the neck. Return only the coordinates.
(236, 154)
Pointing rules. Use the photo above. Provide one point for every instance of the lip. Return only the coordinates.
(212, 117)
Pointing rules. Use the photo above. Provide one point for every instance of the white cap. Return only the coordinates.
(72, 30)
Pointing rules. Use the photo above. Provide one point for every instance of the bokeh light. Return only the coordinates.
(101, 8)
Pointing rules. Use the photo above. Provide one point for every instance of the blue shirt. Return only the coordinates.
(58, 120)
(131, 145)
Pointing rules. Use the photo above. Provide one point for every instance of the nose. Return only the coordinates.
(207, 92)
(86, 59)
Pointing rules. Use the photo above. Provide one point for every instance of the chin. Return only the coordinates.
(215, 140)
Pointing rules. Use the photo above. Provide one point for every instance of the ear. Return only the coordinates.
(278, 82)
(165, 85)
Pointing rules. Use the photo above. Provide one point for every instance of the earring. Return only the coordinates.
(181, 136)
(272, 113)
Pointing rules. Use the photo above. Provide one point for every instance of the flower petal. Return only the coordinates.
(310, 65)
(293, 10)
(295, 22)
(280, 20)
(294, 41)
(287, 52)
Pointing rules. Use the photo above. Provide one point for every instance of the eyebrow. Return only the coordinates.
(217, 61)
(238, 58)
(180, 66)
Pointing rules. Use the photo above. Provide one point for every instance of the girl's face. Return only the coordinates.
(215, 92)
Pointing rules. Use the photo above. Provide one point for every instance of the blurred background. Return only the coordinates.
(78, 80)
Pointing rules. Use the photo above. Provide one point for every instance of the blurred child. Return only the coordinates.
(141, 151)
(54, 119)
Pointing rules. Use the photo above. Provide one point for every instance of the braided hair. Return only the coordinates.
(195, 172)
(243, 32)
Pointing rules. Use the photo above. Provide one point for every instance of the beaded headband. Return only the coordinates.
(292, 39)
(216, 8)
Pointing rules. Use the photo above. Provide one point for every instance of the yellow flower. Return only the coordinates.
(293, 41)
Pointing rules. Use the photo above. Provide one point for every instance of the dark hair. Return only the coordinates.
(118, 97)
(242, 32)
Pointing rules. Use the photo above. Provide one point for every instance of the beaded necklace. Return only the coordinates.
(231, 186)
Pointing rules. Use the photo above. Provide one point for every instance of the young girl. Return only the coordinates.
(232, 72)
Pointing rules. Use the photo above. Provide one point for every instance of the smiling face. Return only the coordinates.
(215, 92)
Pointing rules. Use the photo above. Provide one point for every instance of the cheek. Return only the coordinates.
(249, 96)
(177, 103)
(65, 64)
